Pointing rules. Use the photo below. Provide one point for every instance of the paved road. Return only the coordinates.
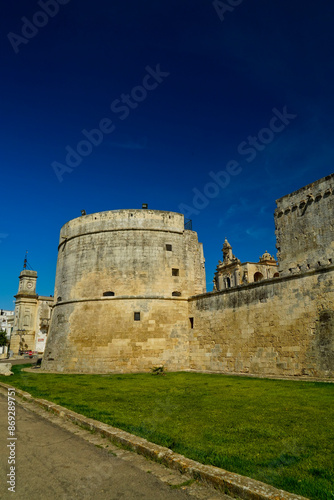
(54, 463)
(20, 361)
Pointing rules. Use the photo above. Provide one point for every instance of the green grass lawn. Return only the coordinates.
(279, 432)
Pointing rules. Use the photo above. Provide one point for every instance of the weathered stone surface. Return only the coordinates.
(5, 369)
(282, 326)
(115, 265)
(305, 227)
(131, 254)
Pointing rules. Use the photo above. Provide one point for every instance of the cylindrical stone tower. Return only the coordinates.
(122, 283)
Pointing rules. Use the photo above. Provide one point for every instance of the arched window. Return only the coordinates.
(276, 275)
(228, 282)
(176, 294)
(258, 276)
(108, 294)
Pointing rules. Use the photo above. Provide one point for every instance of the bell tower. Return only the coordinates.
(23, 335)
(27, 284)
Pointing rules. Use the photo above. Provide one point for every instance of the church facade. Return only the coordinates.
(231, 272)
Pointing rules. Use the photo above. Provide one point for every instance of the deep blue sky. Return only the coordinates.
(225, 78)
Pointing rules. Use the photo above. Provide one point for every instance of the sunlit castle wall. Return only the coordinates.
(122, 283)
(280, 326)
(305, 228)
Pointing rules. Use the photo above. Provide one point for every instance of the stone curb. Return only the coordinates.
(293, 378)
(228, 482)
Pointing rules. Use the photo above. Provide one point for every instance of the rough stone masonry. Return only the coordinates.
(130, 294)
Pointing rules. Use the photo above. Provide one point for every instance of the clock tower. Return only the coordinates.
(24, 331)
(27, 285)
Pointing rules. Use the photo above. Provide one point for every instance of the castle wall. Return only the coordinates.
(125, 252)
(130, 295)
(151, 265)
(101, 336)
(305, 227)
(282, 326)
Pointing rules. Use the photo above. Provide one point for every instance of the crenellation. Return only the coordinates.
(304, 231)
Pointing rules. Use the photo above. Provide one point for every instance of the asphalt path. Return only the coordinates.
(54, 463)
(20, 361)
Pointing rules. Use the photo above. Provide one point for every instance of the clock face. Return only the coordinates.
(29, 285)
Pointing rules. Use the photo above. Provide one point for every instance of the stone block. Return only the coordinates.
(5, 369)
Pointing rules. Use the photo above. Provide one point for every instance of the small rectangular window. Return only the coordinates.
(137, 316)
(191, 322)
(175, 272)
(169, 248)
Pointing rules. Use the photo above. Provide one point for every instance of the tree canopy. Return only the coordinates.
(3, 338)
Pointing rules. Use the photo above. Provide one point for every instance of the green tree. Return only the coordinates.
(3, 338)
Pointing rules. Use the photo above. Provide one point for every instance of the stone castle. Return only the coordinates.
(130, 294)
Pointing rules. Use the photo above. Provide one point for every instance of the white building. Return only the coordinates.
(6, 321)
(6, 325)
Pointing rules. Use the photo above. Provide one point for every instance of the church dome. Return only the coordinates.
(266, 256)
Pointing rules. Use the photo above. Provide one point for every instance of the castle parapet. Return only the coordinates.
(305, 227)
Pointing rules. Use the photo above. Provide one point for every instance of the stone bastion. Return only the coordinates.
(122, 283)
